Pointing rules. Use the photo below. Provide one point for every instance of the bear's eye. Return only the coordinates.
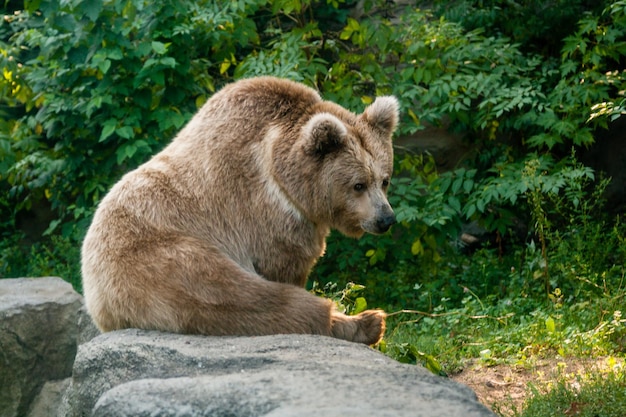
(385, 183)
(359, 187)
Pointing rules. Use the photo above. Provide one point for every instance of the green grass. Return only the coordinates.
(510, 332)
(517, 333)
(594, 394)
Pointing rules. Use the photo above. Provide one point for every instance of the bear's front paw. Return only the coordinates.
(367, 327)
(371, 327)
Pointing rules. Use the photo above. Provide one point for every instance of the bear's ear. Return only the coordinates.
(324, 133)
(383, 114)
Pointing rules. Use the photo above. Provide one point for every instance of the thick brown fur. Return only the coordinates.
(217, 233)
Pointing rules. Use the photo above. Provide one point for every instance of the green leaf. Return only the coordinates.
(52, 227)
(143, 98)
(168, 62)
(360, 305)
(158, 78)
(224, 66)
(159, 47)
(468, 185)
(91, 8)
(550, 325)
(470, 210)
(444, 183)
(428, 361)
(114, 53)
(125, 132)
(104, 66)
(352, 27)
(107, 129)
(417, 248)
(31, 5)
(125, 152)
(64, 22)
(143, 49)
(454, 203)
(456, 185)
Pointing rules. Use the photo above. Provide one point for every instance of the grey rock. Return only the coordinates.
(87, 329)
(143, 373)
(48, 401)
(38, 330)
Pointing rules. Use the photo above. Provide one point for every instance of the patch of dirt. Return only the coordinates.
(504, 388)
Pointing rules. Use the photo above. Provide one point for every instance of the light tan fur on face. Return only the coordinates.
(217, 233)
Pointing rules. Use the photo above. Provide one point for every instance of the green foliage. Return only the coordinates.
(56, 256)
(408, 353)
(488, 86)
(103, 85)
(538, 25)
(522, 112)
(93, 89)
(562, 206)
(347, 300)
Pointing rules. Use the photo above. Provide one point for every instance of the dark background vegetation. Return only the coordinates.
(91, 89)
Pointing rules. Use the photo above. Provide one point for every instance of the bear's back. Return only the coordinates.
(246, 109)
(263, 98)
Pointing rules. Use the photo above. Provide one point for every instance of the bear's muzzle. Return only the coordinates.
(384, 222)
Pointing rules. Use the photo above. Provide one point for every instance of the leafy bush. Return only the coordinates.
(102, 85)
(522, 112)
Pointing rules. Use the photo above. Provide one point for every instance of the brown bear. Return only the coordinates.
(217, 233)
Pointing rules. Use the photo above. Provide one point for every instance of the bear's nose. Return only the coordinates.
(385, 222)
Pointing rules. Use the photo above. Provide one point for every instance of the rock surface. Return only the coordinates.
(48, 401)
(142, 373)
(38, 331)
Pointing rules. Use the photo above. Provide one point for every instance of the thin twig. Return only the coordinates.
(451, 313)
(422, 313)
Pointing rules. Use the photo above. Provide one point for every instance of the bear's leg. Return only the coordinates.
(243, 303)
(186, 285)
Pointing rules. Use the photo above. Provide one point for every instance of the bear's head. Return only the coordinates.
(347, 162)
